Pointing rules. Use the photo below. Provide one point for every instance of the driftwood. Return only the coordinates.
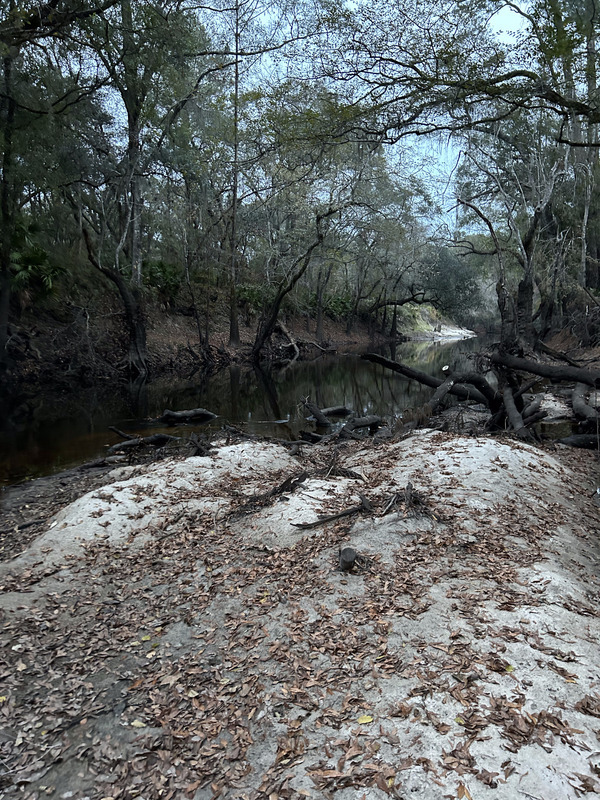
(458, 389)
(514, 416)
(526, 387)
(590, 377)
(336, 411)
(372, 422)
(581, 408)
(533, 406)
(587, 440)
(189, 415)
(120, 433)
(533, 418)
(543, 348)
(317, 413)
(156, 440)
(365, 505)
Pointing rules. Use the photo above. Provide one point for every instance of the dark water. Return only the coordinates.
(63, 432)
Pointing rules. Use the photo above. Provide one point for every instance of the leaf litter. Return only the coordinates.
(189, 641)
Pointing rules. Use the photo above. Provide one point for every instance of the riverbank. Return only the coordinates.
(60, 348)
(55, 431)
(174, 631)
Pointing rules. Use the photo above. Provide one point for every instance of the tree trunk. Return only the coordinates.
(234, 326)
(7, 207)
(525, 328)
(394, 328)
(299, 267)
(134, 316)
(319, 327)
(131, 94)
(136, 326)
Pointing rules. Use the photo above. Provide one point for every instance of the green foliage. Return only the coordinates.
(165, 277)
(32, 270)
(456, 285)
(338, 307)
(257, 296)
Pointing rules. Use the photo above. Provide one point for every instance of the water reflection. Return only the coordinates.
(66, 431)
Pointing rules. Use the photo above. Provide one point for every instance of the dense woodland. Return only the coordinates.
(313, 157)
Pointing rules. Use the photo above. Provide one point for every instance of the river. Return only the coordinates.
(66, 431)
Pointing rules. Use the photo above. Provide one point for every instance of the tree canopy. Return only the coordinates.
(292, 154)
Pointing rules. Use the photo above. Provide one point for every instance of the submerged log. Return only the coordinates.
(156, 440)
(189, 415)
(458, 389)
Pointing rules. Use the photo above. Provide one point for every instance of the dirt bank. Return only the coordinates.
(175, 634)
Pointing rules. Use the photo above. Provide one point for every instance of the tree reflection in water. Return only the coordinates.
(263, 402)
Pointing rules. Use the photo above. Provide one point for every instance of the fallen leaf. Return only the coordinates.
(365, 719)
(463, 792)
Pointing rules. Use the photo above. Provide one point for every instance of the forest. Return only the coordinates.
(246, 160)
(236, 562)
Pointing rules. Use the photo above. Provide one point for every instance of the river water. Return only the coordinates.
(63, 432)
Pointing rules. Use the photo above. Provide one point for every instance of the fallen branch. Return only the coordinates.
(365, 505)
(588, 376)
(533, 418)
(458, 389)
(291, 340)
(120, 433)
(316, 413)
(336, 411)
(156, 440)
(514, 417)
(189, 415)
(372, 422)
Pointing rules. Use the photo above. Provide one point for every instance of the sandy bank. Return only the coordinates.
(174, 633)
